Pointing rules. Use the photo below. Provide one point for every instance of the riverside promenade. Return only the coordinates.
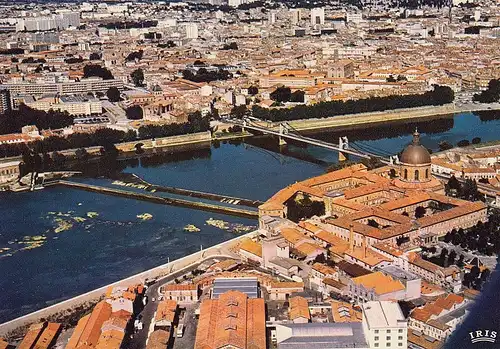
(222, 250)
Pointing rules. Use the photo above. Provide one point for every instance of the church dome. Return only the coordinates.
(415, 153)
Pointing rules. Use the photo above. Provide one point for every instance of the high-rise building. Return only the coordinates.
(191, 31)
(295, 16)
(318, 16)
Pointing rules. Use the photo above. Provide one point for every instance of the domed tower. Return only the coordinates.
(415, 162)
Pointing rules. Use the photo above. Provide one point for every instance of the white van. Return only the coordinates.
(180, 331)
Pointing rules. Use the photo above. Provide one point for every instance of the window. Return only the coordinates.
(388, 338)
(400, 330)
(427, 173)
(375, 338)
(406, 173)
(376, 345)
(376, 331)
(388, 344)
(417, 175)
(388, 331)
(400, 344)
(400, 338)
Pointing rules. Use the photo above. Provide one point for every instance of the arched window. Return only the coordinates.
(406, 173)
(417, 175)
(427, 173)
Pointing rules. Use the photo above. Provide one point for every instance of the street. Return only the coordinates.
(139, 339)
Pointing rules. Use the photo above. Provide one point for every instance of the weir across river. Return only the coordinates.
(161, 200)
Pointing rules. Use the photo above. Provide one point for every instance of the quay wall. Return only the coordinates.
(219, 250)
(373, 117)
(166, 141)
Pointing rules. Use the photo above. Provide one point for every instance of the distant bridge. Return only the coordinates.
(286, 131)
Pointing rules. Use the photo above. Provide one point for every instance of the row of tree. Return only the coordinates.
(129, 24)
(438, 96)
(13, 120)
(203, 75)
(105, 137)
(444, 259)
(444, 145)
(467, 190)
(483, 237)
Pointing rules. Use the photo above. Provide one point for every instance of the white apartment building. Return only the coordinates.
(63, 88)
(384, 325)
(191, 31)
(74, 105)
(318, 16)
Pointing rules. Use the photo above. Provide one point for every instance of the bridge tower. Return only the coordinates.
(343, 144)
(283, 131)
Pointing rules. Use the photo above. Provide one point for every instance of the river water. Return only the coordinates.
(63, 242)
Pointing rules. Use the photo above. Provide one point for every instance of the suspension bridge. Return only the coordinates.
(286, 131)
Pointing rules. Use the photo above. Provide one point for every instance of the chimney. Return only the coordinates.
(351, 237)
(364, 246)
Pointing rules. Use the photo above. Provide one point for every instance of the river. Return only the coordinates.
(101, 239)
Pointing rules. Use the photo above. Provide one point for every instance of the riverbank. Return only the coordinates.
(357, 120)
(388, 116)
(222, 250)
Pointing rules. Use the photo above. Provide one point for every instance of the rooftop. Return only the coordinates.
(380, 314)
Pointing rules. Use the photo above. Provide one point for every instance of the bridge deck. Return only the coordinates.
(316, 142)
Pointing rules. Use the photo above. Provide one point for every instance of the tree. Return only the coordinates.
(420, 212)
(373, 223)
(239, 112)
(134, 112)
(391, 79)
(320, 258)
(231, 46)
(95, 56)
(113, 94)
(96, 70)
(444, 145)
(281, 94)
(451, 257)
(134, 55)
(443, 254)
(463, 143)
(453, 186)
(469, 191)
(138, 77)
(491, 94)
(253, 90)
(476, 140)
(297, 96)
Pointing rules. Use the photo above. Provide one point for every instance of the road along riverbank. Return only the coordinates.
(222, 250)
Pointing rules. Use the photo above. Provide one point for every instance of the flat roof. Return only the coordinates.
(324, 336)
(383, 314)
(247, 285)
(399, 273)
